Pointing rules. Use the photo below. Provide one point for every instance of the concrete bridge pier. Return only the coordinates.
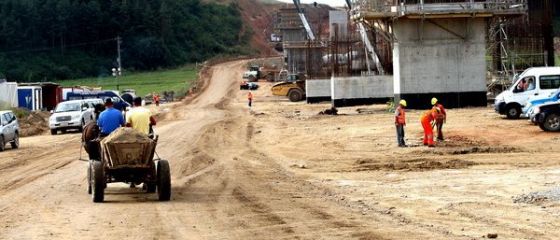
(443, 58)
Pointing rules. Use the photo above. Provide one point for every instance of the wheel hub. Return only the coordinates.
(554, 122)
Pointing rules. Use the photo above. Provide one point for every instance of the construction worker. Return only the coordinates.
(427, 119)
(441, 117)
(400, 122)
(156, 99)
(250, 98)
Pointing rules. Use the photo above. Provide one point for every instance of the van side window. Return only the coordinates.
(549, 82)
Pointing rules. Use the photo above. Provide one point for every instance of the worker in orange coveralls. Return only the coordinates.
(426, 119)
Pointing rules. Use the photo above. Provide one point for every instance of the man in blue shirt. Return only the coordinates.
(110, 119)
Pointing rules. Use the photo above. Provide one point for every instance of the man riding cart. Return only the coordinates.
(123, 155)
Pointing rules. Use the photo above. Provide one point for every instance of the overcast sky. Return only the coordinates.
(334, 3)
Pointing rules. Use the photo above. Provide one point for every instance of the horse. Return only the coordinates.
(90, 133)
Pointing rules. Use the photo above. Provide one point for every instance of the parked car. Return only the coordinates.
(538, 81)
(535, 101)
(92, 102)
(74, 114)
(248, 86)
(9, 130)
(119, 103)
(548, 116)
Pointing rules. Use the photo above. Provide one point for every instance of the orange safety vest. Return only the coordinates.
(440, 112)
(400, 118)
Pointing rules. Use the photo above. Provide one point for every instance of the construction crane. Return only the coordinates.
(310, 34)
(370, 50)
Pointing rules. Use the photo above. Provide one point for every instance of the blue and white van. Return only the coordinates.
(537, 81)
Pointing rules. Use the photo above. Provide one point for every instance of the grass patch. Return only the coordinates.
(178, 80)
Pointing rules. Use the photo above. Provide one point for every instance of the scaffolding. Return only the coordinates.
(375, 9)
(516, 44)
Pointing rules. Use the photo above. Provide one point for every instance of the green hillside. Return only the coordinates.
(68, 39)
(177, 80)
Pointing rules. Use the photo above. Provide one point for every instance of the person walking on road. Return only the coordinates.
(110, 119)
(250, 98)
(156, 99)
(400, 122)
(140, 118)
(441, 117)
(427, 119)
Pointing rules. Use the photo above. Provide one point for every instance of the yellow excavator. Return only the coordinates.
(293, 87)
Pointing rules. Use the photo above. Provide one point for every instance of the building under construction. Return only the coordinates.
(516, 44)
(439, 47)
(330, 53)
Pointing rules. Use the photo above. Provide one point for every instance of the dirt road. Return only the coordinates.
(280, 171)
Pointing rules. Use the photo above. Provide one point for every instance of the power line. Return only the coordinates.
(67, 46)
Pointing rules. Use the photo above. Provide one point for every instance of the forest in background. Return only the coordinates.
(66, 39)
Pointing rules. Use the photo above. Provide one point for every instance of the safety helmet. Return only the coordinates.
(434, 101)
(402, 102)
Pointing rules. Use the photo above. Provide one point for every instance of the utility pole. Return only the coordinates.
(119, 41)
(118, 71)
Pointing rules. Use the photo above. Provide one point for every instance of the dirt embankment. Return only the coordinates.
(34, 123)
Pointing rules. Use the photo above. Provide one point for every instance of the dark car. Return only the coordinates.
(119, 103)
(547, 116)
(248, 86)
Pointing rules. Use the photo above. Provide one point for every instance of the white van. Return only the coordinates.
(537, 81)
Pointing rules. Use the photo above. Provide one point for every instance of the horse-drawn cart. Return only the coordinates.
(128, 156)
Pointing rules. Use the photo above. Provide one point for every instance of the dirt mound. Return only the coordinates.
(420, 164)
(126, 135)
(127, 147)
(34, 123)
(461, 145)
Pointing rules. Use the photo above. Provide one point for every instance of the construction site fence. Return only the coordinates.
(403, 7)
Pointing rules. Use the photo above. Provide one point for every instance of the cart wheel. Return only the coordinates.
(98, 184)
(163, 180)
(89, 177)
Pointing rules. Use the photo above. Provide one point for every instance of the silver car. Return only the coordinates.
(9, 130)
(74, 114)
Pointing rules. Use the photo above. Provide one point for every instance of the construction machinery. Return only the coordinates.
(255, 73)
(293, 88)
(304, 21)
(370, 50)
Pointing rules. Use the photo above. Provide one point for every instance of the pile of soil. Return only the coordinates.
(128, 147)
(34, 123)
(126, 135)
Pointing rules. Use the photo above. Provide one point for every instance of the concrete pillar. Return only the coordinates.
(443, 58)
